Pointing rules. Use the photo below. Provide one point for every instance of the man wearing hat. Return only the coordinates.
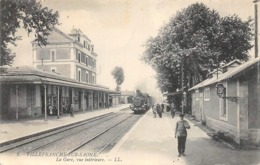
(181, 134)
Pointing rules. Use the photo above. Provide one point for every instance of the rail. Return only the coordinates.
(101, 133)
(52, 133)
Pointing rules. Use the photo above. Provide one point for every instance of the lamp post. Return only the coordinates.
(256, 28)
(45, 102)
(256, 50)
(58, 103)
(183, 102)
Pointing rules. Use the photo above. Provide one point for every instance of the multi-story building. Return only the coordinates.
(71, 55)
(63, 78)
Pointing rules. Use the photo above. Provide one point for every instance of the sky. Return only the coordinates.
(119, 29)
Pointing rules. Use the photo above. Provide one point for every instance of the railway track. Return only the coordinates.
(51, 134)
(95, 135)
(103, 142)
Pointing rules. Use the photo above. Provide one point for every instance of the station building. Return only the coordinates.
(63, 77)
(126, 97)
(229, 101)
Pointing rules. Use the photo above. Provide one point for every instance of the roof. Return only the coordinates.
(232, 63)
(229, 65)
(62, 33)
(127, 93)
(234, 73)
(30, 75)
(56, 36)
(78, 32)
(146, 94)
(172, 93)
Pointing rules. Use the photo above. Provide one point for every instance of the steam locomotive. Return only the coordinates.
(141, 102)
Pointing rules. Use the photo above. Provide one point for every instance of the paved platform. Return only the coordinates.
(11, 130)
(152, 141)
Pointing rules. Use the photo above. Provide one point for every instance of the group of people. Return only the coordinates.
(180, 129)
(158, 109)
(68, 109)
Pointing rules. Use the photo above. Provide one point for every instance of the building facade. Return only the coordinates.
(237, 110)
(71, 55)
(63, 79)
(28, 92)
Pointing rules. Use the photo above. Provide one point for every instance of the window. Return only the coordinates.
(79, 55)
(91, 62)
(197, 94)
(87, 77)
(94, 80)
(79, 38)
(87, 61)
(94, 64)
(223, 105)
(92, 48)
(79, 75)
(53, 54)
(207, 94)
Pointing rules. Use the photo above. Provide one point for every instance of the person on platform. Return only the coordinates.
(159, 110)
(162, 107)
(181, 134)
(173, 110)
(154, 110)
(72, 110)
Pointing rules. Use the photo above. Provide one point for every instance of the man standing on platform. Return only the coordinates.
(181, 134)
(154, 110)
(159, 110)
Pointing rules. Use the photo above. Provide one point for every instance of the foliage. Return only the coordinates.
(191, 45)
(28, 14)
(118, 74)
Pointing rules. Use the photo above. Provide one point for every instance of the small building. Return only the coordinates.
(114, 99)
(126, 97)
(237, 108)
(28, 92)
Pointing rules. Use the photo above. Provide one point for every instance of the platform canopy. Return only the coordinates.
(30, 75)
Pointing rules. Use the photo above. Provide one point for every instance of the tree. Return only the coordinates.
(28, 14)
(118, 74)
(193, 42)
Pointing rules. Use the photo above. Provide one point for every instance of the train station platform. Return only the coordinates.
(152, 141)
(10, 130)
